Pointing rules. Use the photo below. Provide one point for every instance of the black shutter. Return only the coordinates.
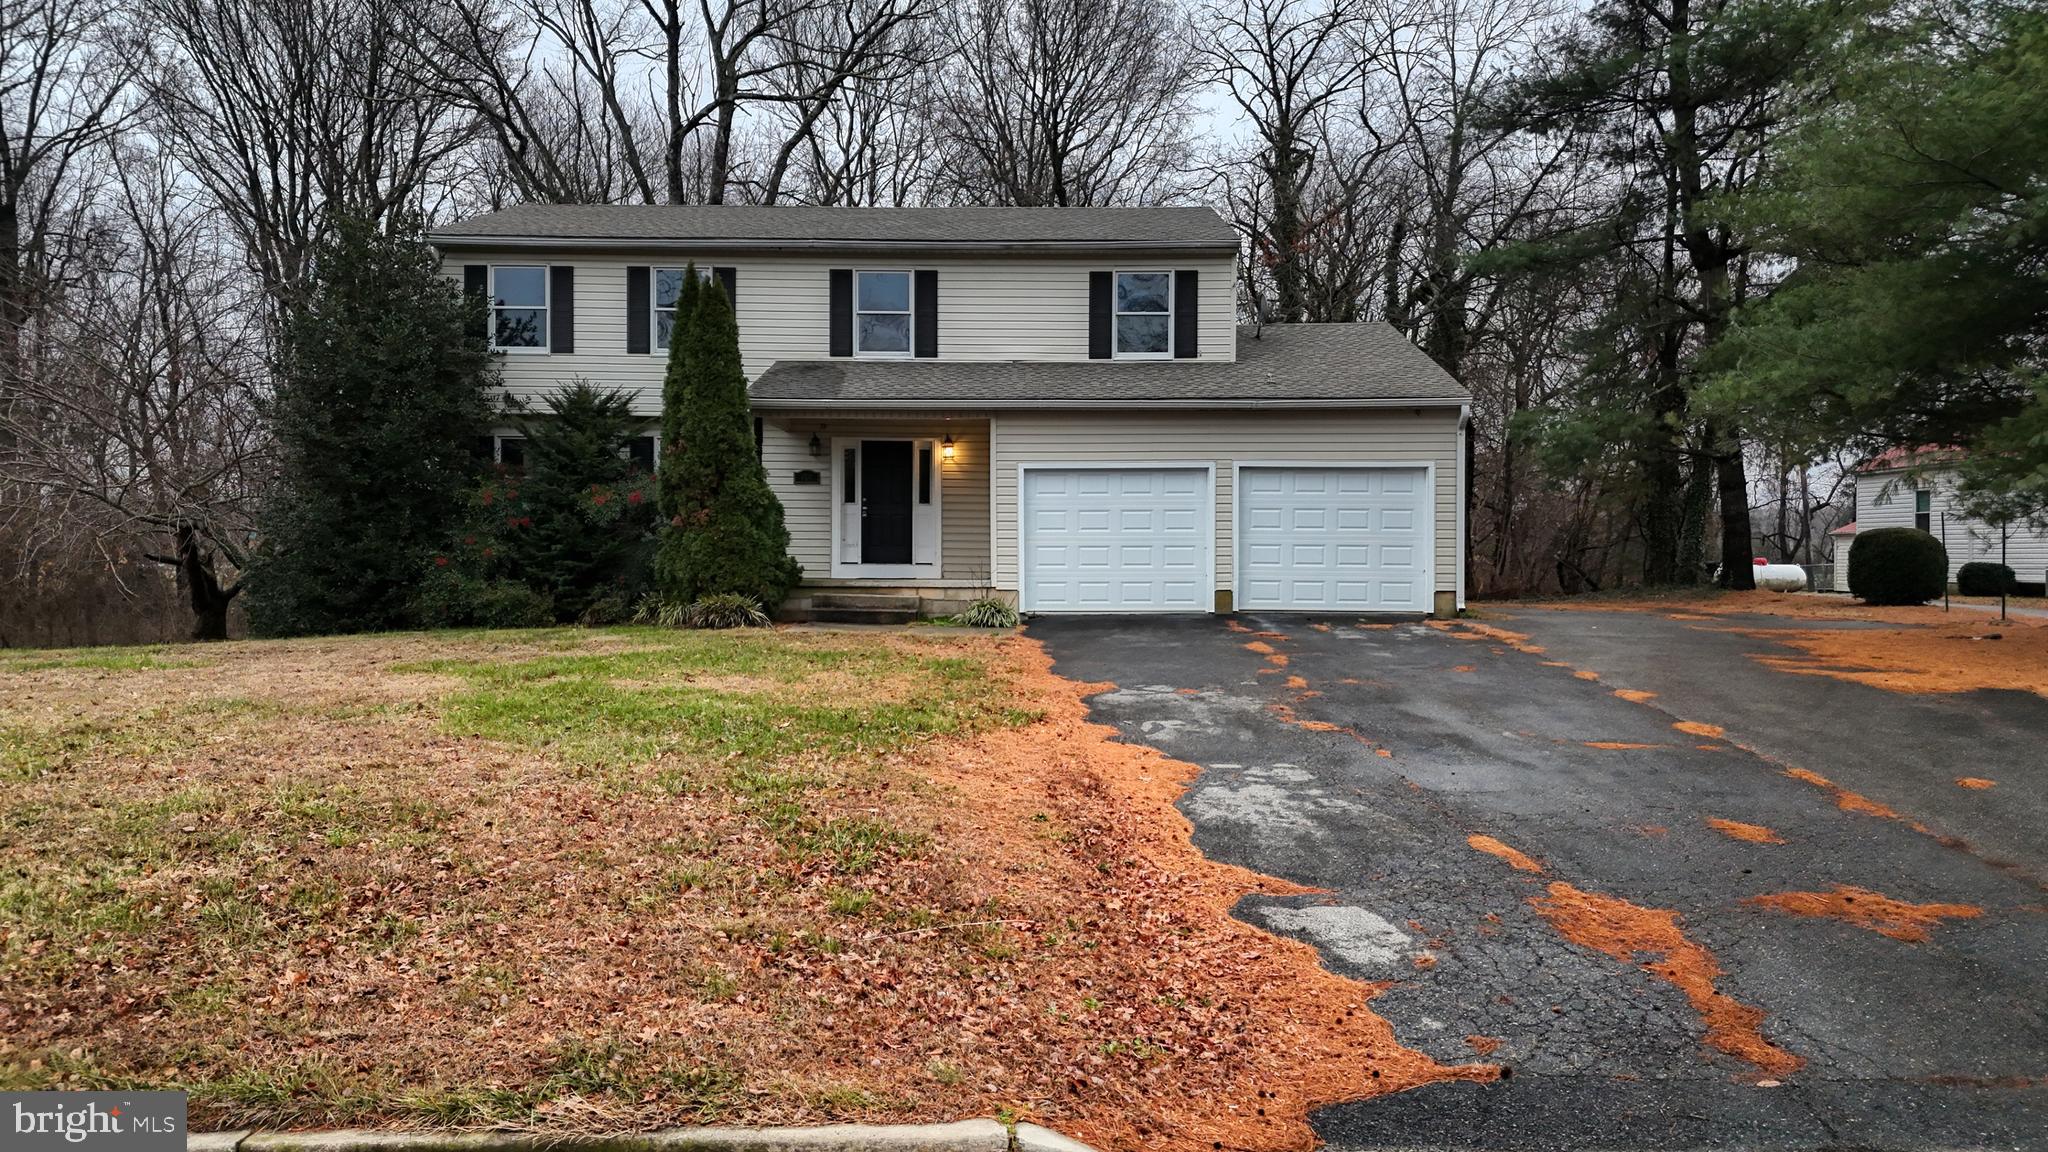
(562, 308)
(1099, 317)
(729, 280)
(476, 282)
(639, 314)
(841, 322)
(924, 305)
(1187, 311)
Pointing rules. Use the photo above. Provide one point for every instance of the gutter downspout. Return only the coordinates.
(1464, 488)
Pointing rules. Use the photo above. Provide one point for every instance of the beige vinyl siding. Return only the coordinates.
(1226, 439)
(1885, 500)
(807, 508)
(990, 308)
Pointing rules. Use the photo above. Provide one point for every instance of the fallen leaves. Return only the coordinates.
(1844, 799)
(1625, 931)
(1515, 858)
(1870, 910)
(1751, 833)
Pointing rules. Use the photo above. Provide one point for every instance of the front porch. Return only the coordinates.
(883, 505)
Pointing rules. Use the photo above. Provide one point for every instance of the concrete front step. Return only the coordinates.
(817, 615)
(863, 602)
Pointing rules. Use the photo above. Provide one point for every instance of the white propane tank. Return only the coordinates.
(1779, 577)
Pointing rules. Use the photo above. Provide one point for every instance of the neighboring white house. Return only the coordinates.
(1914, 490)
(1054, 404)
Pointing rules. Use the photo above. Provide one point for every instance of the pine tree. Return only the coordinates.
(725, 533)
(1683, 101)
(383, 387)
(1913, 205)
(585, 525)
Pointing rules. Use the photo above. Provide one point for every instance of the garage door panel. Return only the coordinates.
(1333, 538)
(1130, 540)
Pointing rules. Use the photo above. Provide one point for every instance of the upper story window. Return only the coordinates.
(1923, 510)
(881, 307)
(668, 286)
(1144, 315)
(519, 307)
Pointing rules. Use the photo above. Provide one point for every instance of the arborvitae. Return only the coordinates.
(725, 533)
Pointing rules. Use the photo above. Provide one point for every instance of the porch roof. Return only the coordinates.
(1292, 365)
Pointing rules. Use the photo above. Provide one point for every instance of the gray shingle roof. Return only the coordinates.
(1298, 364)
(757, 226)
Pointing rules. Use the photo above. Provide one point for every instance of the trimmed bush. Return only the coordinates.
(1897, 566)
(726, 610)
(1985, 578)
(989, 612)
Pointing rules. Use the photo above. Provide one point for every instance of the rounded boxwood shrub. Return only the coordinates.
(1985, 578)
(1897, 566)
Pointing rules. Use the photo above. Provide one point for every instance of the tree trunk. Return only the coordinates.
(1738, 573)
(209, 599)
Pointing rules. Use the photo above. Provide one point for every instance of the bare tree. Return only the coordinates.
(136, 424)
(653, 100)
(1288, 65)
(63, 92)
(1063, 102)
(292, 111)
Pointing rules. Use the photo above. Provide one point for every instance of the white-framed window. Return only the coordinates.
(881, 314)
(1923, 510)
(519, 307)
(1144, 315)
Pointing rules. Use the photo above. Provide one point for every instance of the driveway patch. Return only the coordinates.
(1656, 996)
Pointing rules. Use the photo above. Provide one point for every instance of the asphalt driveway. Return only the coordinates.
(1364, 760)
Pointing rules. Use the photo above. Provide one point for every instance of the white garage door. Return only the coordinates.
(1117, 540)
(1334, 539)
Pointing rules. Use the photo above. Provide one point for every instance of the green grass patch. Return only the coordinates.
(147, 659)
(636, 705)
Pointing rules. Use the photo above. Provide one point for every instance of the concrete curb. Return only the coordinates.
(959, 1136)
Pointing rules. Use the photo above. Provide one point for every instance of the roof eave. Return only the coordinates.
(773, 402)
(663, 244)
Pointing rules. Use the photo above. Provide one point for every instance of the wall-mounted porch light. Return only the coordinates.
(946, 446)
(817, 445)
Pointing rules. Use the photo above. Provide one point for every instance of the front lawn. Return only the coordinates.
(604, 880)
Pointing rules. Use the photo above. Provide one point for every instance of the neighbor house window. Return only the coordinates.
(881, 305)
(1144, 314)
(1923, 510)
(519, 306)
(512, 451)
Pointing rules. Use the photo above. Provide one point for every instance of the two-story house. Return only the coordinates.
(1057, 404)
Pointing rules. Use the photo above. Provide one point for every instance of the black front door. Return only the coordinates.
(885, 501)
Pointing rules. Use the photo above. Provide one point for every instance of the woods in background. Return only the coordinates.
(1690, 256)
